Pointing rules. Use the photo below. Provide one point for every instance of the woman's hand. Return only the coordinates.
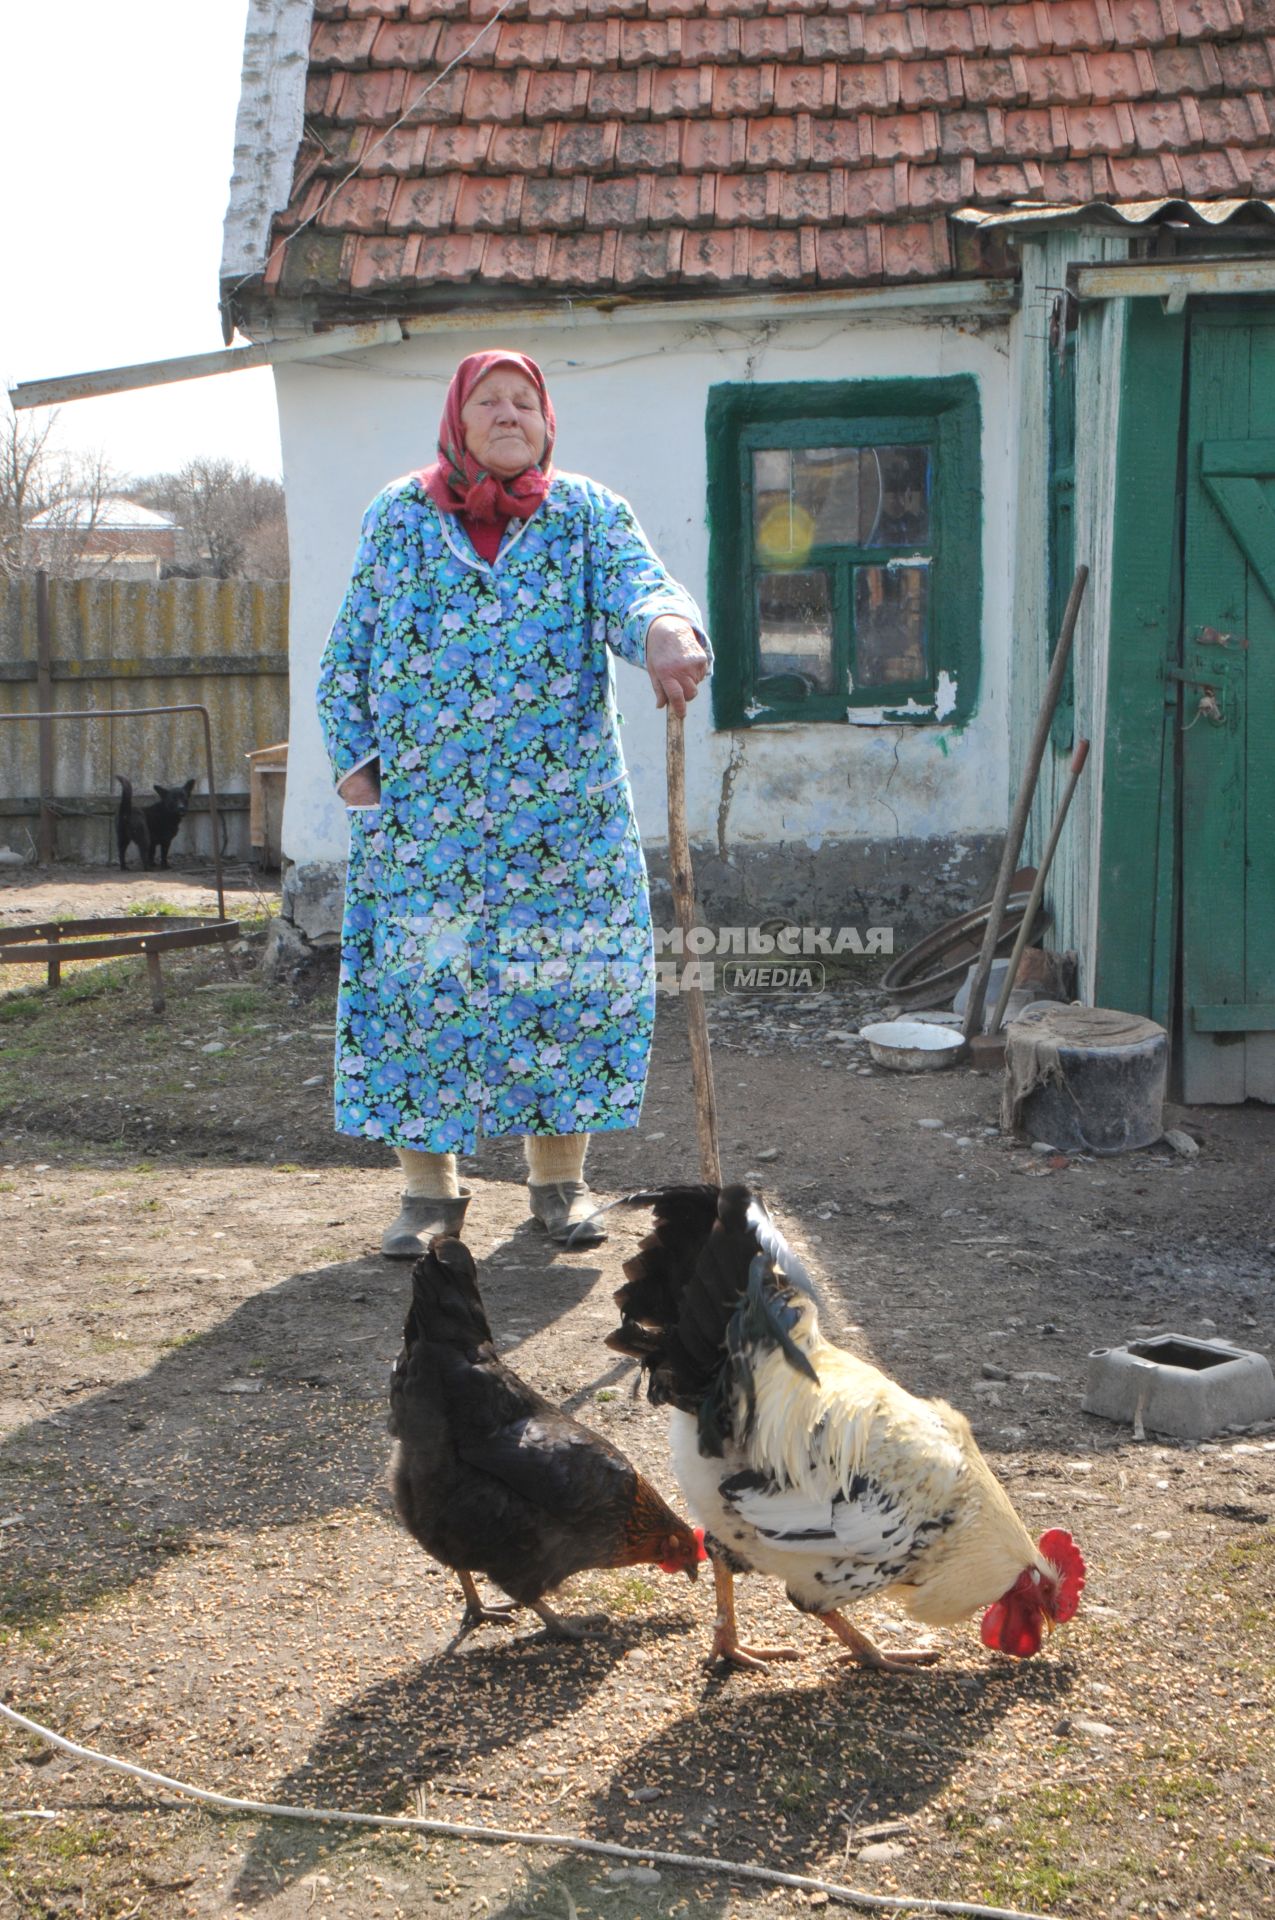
(675, 660)
(362, 788)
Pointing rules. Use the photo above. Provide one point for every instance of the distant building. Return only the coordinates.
(111, 538)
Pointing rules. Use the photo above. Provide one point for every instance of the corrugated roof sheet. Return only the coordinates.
(1209, 214)
(694, 145)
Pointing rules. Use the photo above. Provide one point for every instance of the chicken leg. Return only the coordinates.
(726, 1633)
(864, 1653)
(558, 1627)
(479, 1612)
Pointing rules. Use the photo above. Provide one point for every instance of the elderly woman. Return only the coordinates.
(496, 964)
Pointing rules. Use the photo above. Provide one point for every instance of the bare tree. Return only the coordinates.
(66, 537)
(266, 552)
(27, 480)
(233, 518)
(234, 521)
(65, 493)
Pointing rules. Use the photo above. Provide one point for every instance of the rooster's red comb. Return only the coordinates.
(1062, 1552)
(699, 1541)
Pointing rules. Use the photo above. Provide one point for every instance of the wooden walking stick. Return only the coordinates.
(683, 883)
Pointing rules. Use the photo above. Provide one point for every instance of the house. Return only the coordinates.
(107, 538)
(882, 318)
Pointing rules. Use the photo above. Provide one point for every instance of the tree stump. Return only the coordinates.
(1087, 1079)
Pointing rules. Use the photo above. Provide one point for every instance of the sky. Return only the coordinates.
(116, 142)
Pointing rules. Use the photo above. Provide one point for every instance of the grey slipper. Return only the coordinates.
(421, 1221)
(568, 1213)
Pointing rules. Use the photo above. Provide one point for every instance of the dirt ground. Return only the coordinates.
(200, 1571)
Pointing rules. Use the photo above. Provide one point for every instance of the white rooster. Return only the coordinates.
(805, 1463)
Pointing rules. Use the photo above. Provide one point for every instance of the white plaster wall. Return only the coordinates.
(630, 402)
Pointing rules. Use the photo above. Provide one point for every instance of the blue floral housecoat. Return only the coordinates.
(496, 958)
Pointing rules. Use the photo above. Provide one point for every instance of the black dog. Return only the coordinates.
(152, 828)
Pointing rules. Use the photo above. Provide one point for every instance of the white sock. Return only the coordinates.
(428, 1176)
(555, 1156)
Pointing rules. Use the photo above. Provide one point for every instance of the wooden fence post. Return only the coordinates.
(44, 702)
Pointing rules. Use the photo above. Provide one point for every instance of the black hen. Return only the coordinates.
(492, 1478)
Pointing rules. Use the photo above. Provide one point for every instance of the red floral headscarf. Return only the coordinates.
(456, 483)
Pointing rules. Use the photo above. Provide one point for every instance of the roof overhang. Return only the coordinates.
(198, 366)
(1172, 280)
(922, 301)
(1173, 276)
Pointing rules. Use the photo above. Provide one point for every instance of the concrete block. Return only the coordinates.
(287, 953)
(1186, 1389)
(313, 900)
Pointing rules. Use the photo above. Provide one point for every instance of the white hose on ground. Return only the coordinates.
(563, 1842)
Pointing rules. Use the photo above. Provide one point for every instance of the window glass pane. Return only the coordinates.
(890, 610)
(794, 629)
(838, 496)
(901, 485)
(827, 488)
(782, 528)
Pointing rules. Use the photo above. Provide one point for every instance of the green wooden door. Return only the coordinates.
(1228, 710)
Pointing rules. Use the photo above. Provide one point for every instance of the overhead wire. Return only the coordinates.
(286, 240)
(699, 331)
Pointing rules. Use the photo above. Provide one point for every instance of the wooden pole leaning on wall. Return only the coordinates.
(1034, 898)
(47, 846)
(682, 878)
(1022, 805)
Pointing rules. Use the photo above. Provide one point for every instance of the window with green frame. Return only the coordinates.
(845, 550)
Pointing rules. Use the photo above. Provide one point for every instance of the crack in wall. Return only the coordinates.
(881, 799)
(729, 778)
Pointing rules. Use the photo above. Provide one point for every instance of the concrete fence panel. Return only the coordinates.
(134, 643)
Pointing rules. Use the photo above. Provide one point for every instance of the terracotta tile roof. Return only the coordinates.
(632, 145)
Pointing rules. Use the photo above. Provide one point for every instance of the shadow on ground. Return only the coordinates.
(759, 1774)
(417, 1740)
(273, 1417)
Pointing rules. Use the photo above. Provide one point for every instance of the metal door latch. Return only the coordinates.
(1208, 704)
(1209, 708)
